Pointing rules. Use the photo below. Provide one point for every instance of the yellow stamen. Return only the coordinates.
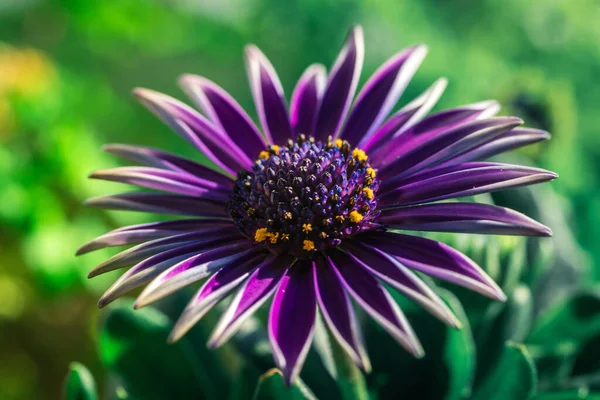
(309, 245)
(340, 218)
(306, 228)
(368, 193)
(263, 155)
(370, 172)
(285, 236)
(275, 149)
(287, 215)
(261, 235)
(274, 237)
(355, 216)
(359, 154)
(339, 142)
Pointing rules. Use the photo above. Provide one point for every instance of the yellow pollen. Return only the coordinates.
(275, 149)
(285, 236)
(339, 142)
(355, 216)
(287, 215)
(359, 154)
(274, 237)
(261, 235)
(306, 228)
(340, 218)
(309, 245)
(263, 155)
(369, 193)
(370, 172)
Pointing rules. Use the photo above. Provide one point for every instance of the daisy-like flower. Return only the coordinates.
(307, 210)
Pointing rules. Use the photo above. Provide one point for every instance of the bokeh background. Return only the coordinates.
(67, 69)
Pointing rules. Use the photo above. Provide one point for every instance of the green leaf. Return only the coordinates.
(574, 394)
(459, 352)
(271, 387)
(514, 376)
(80, 384)
(133, 344)
(350, 378)
(502, 322)
(574, 319)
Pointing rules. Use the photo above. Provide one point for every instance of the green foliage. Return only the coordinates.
(80, 384)
(513, 377)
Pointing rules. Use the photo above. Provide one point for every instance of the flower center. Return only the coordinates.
(306, 196)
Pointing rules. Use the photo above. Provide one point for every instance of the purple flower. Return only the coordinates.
(306, 210)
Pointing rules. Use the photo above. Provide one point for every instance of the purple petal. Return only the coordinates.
(268, 96)
(388, 269)
(381, 93)
(292, 319)
(161, 204)
(341, 85)
(152, 267)
(164, 180)
(161, 159)
(406, 117)
(447, 145)
(471, 179)
(194, 269)
(422, 154)
(197, 130)
(338, 312)
(147, 249)
(462, 218)
(255, 292)
(214, 290)
(427, 130)
(144, 232)
(306, 100)
(507, 141)
(225, 112)
(375, 300)
(435, 259)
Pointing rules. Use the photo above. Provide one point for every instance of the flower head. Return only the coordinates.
(306, 210)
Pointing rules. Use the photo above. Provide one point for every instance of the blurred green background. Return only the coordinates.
(67, 69)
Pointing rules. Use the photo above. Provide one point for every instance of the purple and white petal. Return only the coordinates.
(164, 180)
(446, 146)
(225, 112)
(306, 100)
(406, 117)
(197, 130)
(215, 289)
(375, 300)
(435, 259)
(148, 269)
(292, 319)
(142, 251)
(161, 159)
(471, 179)
(388, 269)
(172, 204)
(507, 141)
(429, 129)
(341, 86)
(268, 97)
(462, 218)
(144, 232)
(255, 292)
(338, 312)
(381, 93)
(194, 269)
